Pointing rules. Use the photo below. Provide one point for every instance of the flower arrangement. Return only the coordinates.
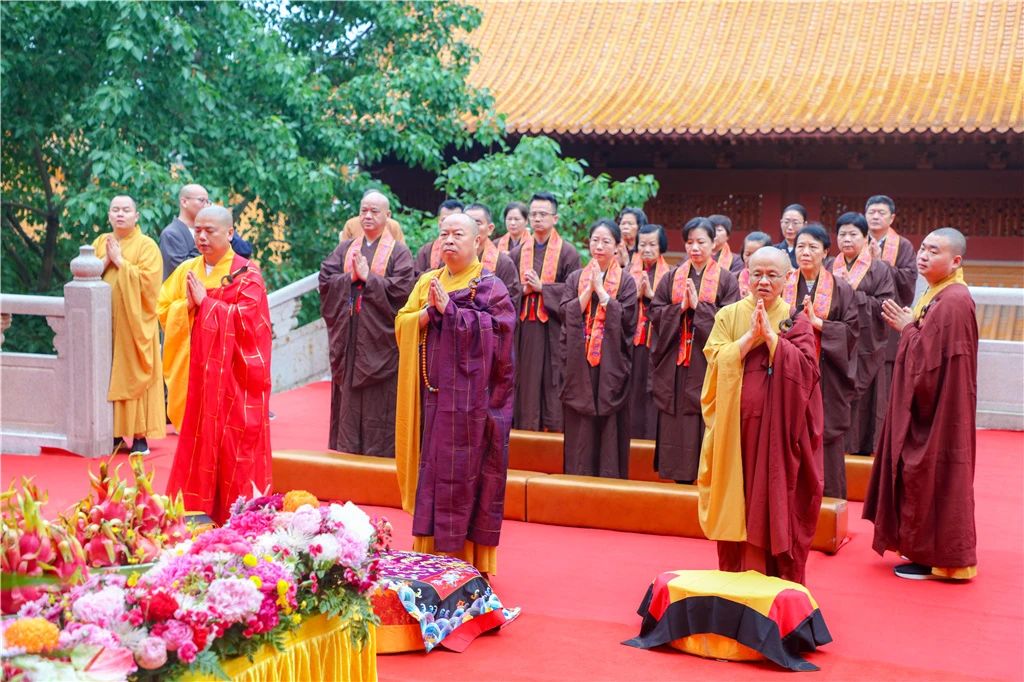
(225, 593)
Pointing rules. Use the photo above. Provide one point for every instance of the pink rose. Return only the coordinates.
(187, 652)
(151, 653)
(176, 635)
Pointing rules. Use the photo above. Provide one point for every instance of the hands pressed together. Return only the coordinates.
(895, 316)
(195, 292)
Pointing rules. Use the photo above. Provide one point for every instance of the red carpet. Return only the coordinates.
(579, 588)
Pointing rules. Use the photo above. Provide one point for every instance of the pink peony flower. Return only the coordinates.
(306, 520)
(223, 539)
(174, 633)
(100, 608)
(187, 652)
(151, 653)
(74, 634)
(233, 599)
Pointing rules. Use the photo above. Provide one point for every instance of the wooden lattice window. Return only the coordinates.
(975, 217)
(673, 209)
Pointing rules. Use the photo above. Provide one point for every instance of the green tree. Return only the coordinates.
(536, 164)
(269, 105)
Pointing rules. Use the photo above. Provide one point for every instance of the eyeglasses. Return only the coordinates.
(540, 214)
(770, 276)
(791, 222)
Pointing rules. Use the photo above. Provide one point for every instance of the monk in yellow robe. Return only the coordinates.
(176, 319)
(132, 266)
(455, 392)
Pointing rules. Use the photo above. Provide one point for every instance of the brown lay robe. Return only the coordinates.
(596, 399)
(921, 496)
(677, 388)
(837, 362)
(904, 277)
(360, 322)
(736, 266)
(422, 263)
(506, 271)
(539, 362)
(868, 407)
(643, 411)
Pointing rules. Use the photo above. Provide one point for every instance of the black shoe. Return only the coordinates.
(914, 571)
(140, 447)
(273, 416)
(119, 445)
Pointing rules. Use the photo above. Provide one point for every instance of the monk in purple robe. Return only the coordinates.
(544, 262)
(921, 496)
(831, 306)
(683, 310)
(760, 477)
(872, 284)
(362, 285)
(429, 255)
(454, 413)
(897, 254)
(598, 319)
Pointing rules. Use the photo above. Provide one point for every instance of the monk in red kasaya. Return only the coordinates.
(224, 449)
(921, 496)
(761, 472)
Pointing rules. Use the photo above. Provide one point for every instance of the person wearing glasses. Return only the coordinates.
(132, 267)
(178, 239)
(683, 311)
(760, 475)
(794, 217)
(544, 262)
(216, 323)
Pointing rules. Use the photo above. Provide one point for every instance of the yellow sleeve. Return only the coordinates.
(721, 502)
(407, 408)
(176, 320)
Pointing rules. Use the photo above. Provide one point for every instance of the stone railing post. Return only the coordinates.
(90, 419)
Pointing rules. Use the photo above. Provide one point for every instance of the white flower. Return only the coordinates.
(354, 520)
(329, 548)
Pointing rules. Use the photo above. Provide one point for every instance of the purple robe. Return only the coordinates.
(464, 449)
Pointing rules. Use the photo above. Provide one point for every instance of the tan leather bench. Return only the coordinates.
(858, 476)
(540, 451)
(367, 480)
(646, 507)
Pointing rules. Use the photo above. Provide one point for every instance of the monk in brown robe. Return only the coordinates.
(753, 242)
(515, 226)
(648, 268)
(760, 477)
(362, 286)
(491, 258)
(831, 306)
(721, 252)
(429, 255)
(598, 318)
(544, 263)
(683, 311)
(872, 283)
(897, 253)
(921, 497)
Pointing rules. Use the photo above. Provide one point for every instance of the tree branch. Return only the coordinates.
(44, 176)
(15, 224)
(23, 207)
(19, 266)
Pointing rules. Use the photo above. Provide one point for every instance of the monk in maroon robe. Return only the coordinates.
(872, 284)
(721, 252)
(683, 310)
(224, 448)
(429, 255)
(921, 496)
(897, 253)
(363, 283)
(647, 268)
(760, 477)
(598, 318)
(457, 377)
(544, 262)
(831, 306)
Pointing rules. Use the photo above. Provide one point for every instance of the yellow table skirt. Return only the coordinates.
(319, 650)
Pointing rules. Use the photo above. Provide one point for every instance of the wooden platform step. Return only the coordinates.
(634, 506)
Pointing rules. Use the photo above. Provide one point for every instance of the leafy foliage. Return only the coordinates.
(537, 164)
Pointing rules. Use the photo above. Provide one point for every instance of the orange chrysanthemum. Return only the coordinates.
(294, 499)
(34, 635)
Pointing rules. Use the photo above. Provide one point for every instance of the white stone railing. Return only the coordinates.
(60, 400)
(300, 353)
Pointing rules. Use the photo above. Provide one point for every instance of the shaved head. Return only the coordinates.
(769, 255)
(187, 191)
(377, 198)
(956, 239)
(465, 221)
(124, 198)
(214, 228)
(460, 241)
(219, 215)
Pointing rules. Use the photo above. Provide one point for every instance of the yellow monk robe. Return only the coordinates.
(409, 409)
(177, 323)
(721, 498)
(135, 375)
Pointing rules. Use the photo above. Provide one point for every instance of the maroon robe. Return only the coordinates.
(506, 271)
(422, 263)
(224, 448)
(460, 493)
(838, 367)
(360, 321)
(596, 399)
(921, 496)
(868, 407)
(539, 362)
(736, 266)
(904, 277)
(677, 388)
(780, 434)
(643, 410)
